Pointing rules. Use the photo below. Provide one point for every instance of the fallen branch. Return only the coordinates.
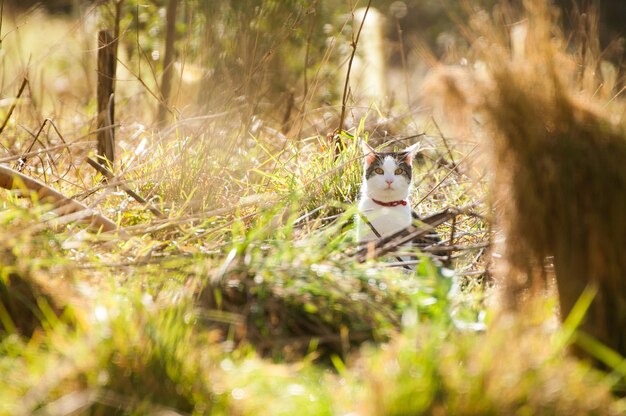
(387, 244)
(12, 179)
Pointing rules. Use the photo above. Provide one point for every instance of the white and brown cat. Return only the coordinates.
(385, 192)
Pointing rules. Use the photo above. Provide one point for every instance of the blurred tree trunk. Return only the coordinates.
(168, 60)
(106, 104)
(107, 69)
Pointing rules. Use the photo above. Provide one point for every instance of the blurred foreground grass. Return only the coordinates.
(144, 340)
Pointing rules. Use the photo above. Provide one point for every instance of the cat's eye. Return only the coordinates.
(399, 171)
(379, 171)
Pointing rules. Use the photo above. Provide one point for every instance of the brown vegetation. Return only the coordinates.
(558, 150)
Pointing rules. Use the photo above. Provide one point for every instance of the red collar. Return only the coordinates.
(390, 204)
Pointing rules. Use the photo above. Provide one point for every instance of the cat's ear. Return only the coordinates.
(368, 152)
(410, 152)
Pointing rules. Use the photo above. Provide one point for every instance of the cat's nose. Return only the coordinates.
(389, 181)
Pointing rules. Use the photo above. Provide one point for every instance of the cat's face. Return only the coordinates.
(387, 176)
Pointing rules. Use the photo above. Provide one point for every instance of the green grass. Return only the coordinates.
(160, 325)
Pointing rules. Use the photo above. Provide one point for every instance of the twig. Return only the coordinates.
(445, 141)
(444, 215)
(35, 140)
(110, 177)
(403, 59)
(304, 112)
(45, 150)
(451, 243)
(344, 98)
(386, 244)
(22, 160)
(141, 53)
(308, 47)
(376, 233)
(19, 94)
(473, 273)
(444, 178)
(457, 247)
(306, 215)
(291, 99)
(402, 139)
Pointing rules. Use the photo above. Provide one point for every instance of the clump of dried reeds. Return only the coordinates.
(558, 151)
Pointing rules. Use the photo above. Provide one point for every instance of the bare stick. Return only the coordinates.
(306, 54)
(19, 94)
(112, 178)
(445, 177)
(344, 99)
(445, 141)
(386, 244)
(291, 100)
(451, 243)
(375, 231)
(22, 161)
(46, 150)
(456, 247)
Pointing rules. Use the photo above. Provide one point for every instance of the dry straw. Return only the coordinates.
(557, 143)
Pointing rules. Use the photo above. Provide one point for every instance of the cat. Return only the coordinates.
(385, 192)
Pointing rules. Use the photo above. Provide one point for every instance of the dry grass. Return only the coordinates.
(557, 142)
